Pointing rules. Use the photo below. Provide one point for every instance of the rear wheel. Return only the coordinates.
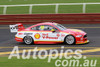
(28, 40)
(70, 40)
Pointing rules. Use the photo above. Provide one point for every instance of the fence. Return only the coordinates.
(56, 6)
(58, 18)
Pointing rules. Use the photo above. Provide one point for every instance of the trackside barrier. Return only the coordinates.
(58, 18)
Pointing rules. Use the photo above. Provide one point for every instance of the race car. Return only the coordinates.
(48, 33)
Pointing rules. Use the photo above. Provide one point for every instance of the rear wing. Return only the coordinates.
(15, 28)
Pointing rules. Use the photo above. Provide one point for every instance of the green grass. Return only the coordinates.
(5, 62)
(43, 9)
(3, 2)
(18, 10)
(1, 10)
(93, 8)
(7, 2)
(49, 9)
(70, 9)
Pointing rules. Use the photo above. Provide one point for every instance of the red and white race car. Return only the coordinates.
(48, 33)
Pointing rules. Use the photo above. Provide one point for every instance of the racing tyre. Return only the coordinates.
(28, 40)
(70, 40)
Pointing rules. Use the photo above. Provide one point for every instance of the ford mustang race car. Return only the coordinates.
(48, 33)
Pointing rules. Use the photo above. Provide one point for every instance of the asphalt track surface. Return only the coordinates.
(7, 41)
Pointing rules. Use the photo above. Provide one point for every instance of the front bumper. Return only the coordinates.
(83, 42)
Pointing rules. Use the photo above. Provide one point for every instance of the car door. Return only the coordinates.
(48, 35)
(44, 33)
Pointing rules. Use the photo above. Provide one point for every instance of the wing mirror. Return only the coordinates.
(53, 30)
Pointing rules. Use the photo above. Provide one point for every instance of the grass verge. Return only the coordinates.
(5, 62)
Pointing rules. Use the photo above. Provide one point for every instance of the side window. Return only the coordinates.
(48, 27)
(35, 28)
(43, 27)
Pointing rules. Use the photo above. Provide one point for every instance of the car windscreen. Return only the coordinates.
(61, 27)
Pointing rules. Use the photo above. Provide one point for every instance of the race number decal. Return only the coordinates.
(37, 35)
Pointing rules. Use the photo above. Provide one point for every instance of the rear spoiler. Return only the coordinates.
(16, 27)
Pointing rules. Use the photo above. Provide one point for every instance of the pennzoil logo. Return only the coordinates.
(37, 35)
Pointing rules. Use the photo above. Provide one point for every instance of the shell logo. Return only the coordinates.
(37, 35)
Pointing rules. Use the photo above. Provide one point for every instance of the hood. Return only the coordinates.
(75, 31)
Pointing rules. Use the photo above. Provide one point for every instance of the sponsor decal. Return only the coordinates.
(28, 33)
(37, 35)
(62, 35)
(20, 33)
(45, 36)
(58, 35)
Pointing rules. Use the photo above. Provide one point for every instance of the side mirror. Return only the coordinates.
(53, 30)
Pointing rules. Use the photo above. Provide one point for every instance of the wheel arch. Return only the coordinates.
(29, 36)
(69, 35)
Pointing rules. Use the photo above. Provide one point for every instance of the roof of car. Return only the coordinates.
(47, 23)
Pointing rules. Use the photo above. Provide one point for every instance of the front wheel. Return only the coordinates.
(70, 39)
(28, 40)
